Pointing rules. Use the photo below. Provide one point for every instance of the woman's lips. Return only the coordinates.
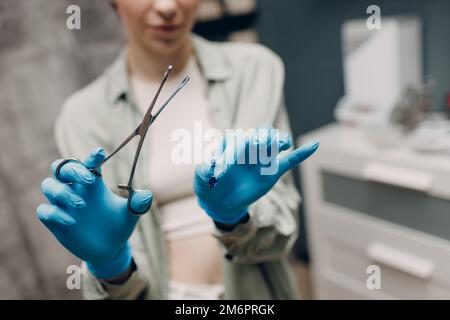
(165, 28)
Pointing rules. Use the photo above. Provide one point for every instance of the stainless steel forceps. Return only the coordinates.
(140, 131)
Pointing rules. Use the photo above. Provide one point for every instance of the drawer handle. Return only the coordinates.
(405, 262)
(399, 177)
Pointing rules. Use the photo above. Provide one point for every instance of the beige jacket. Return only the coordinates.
(245, 89)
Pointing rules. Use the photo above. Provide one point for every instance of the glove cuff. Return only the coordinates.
(230, 227)
(114, 267)
(232, 219)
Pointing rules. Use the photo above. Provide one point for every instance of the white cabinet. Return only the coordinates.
(364, 206)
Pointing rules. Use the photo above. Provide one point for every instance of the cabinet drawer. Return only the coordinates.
(335, 285)
(413, 265)
(406, 207)
(394, 282)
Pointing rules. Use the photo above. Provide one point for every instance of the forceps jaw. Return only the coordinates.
(141, 131)
(146, 121)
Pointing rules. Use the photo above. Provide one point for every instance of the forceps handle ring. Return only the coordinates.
(59, 167)
(131, 193)
(128, 188)
(94, 171)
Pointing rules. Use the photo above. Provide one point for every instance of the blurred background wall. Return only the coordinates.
(307, 35)
(41, 63)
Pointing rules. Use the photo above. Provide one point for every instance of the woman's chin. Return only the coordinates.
(166, 44)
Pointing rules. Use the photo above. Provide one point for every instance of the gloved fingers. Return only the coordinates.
(141, 201)
(296, 157)
(263, 141)
(59, 193)
(217, 153)
(73, 172)
(235, 148)
(204, 171)
(267, 142)
(263, 134)
(220, 170)
(220, 149)
(277, 142)
(208, 175)
(53, 216)
(217, 164)
(95, 158)
(284, 141)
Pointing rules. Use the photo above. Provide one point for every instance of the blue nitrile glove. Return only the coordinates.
(226, 189)
(89, 219)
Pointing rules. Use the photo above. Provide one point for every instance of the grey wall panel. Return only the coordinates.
(41, 63)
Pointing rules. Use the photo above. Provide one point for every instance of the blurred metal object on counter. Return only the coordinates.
(432, 135)
(379, 67)
(414, 105)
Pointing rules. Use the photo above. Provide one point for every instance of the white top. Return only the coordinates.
(171, 182)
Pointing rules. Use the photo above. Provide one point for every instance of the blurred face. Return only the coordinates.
(158, 26)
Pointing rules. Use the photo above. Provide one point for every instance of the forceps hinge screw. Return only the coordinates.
(96, 173)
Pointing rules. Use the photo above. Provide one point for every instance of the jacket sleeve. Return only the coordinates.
(76, 134)
(272, 228)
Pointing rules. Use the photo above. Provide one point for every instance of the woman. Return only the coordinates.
(237, 250)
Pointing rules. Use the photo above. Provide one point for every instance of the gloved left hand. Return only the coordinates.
(236, 185)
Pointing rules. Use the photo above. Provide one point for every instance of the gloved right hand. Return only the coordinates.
(90, 220)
